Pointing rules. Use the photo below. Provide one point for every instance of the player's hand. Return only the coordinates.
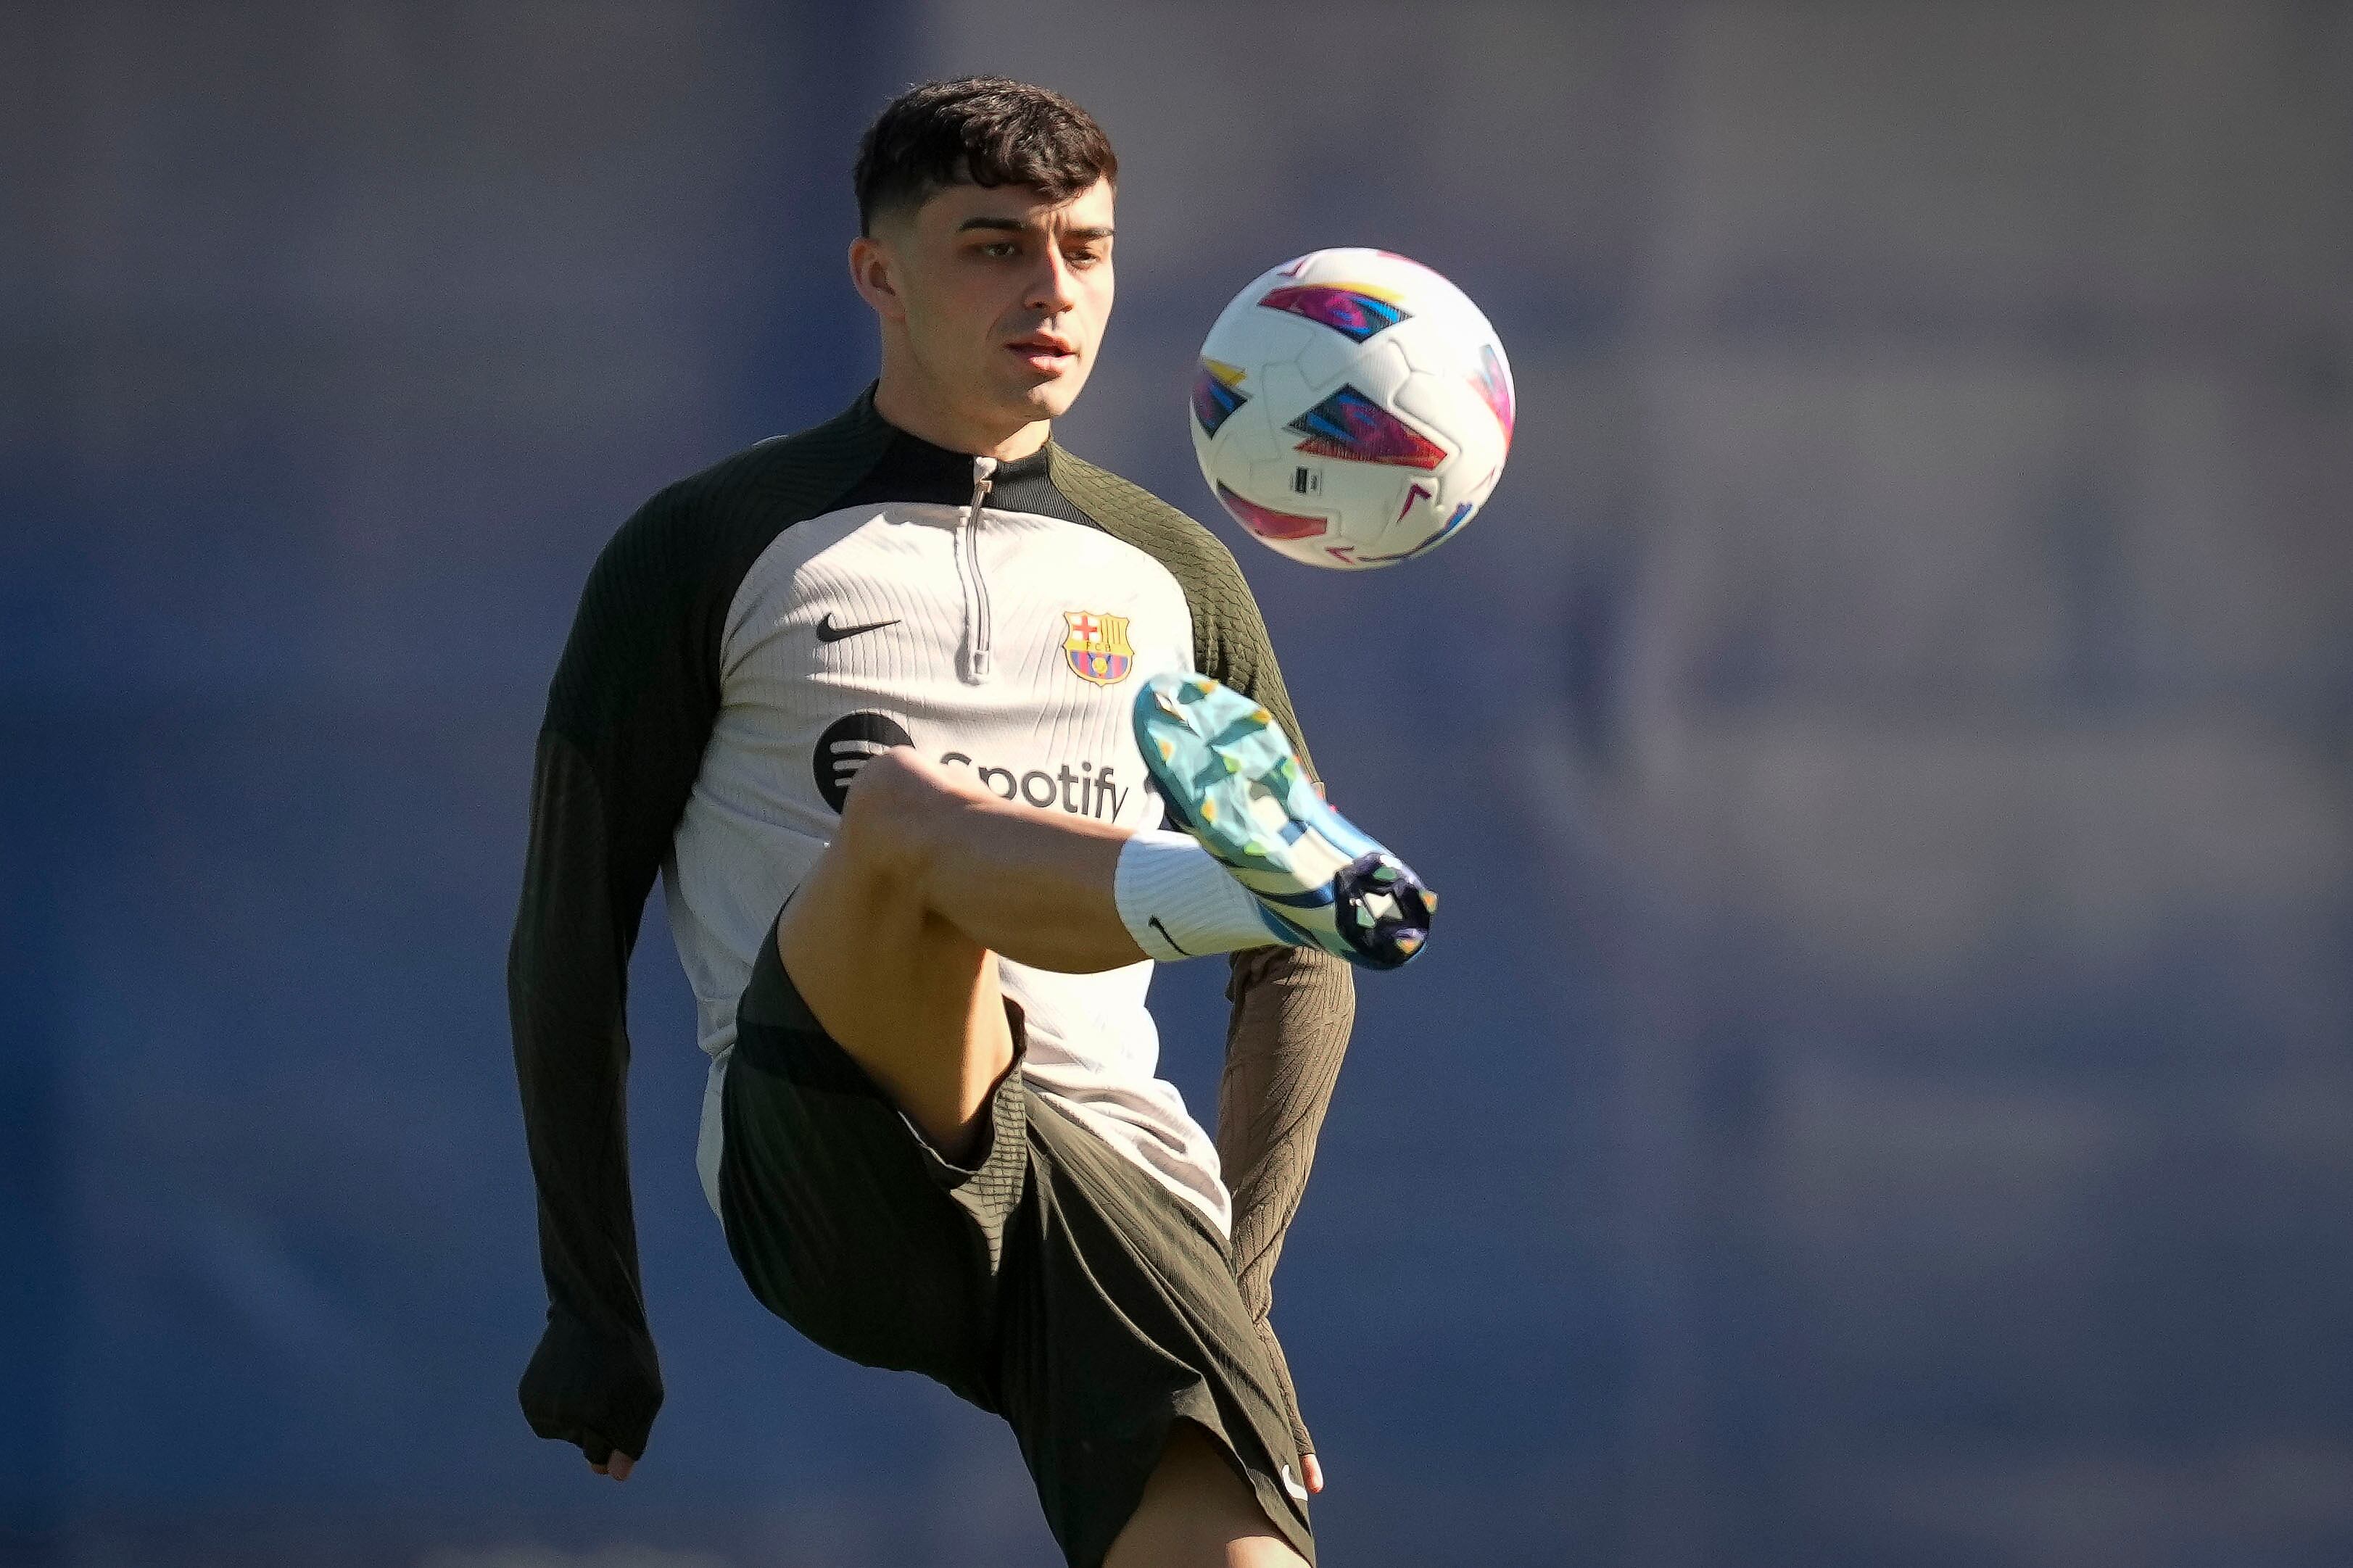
(620, 1465)
(596, 1392)
(1311, 1470)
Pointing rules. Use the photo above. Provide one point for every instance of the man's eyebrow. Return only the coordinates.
(1017, 226)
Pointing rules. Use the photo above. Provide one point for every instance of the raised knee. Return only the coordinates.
(892, 809)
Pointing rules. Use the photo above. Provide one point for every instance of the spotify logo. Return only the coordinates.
(845, 747)
(850, 742)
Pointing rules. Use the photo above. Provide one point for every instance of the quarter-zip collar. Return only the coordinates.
(915, 471)
(910, 468)
(977, 629)
(905, 468)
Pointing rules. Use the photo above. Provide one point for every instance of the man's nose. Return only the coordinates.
(1055, 287)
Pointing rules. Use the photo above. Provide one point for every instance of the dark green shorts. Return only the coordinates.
(1054, 1282)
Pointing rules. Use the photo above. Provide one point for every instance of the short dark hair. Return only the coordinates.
(980, 131)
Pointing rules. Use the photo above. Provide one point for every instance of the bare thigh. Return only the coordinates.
(1198, 1513)
(892, 937)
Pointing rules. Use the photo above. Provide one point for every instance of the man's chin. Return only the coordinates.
(1048, 399)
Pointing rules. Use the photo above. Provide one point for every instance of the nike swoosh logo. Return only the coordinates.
(1155, 923)
(1292, 1487)
(828, 632)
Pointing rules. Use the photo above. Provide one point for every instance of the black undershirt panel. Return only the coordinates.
(913, 470)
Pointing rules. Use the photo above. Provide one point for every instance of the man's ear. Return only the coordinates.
(873, 272)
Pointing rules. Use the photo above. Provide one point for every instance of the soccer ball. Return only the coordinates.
(1352, 409)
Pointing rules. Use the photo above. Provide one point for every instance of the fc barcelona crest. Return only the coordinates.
(1096, 647)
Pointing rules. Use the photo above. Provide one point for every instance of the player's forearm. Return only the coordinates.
(594, 1378)
(571, 1086)
(1293, 1010)
(565, 991)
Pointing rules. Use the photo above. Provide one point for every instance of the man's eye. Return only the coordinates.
(1084, 258)
(999, 249)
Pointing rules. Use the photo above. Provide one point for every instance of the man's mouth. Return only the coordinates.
(1045, 351)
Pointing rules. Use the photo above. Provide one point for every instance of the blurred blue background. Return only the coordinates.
(1884, 1096)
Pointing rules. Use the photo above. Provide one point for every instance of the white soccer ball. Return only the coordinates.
(1352, 409)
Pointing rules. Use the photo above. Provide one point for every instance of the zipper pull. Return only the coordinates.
(982, 468)
(976, 627)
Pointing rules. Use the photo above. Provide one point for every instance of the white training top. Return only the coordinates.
(1009, 642)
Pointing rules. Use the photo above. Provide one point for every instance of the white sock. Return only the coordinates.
(1178, 902)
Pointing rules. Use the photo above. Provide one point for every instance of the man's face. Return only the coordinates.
(1003, 295)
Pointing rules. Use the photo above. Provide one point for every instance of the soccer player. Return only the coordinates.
(928, 685)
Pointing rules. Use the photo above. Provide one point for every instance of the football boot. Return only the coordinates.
(1228, 777)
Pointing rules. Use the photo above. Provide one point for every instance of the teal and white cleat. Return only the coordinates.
(1227, 774)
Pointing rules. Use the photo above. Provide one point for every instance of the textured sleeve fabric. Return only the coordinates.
(1229, 641)
(630, 709)
(631, 705)
(1292, 1008)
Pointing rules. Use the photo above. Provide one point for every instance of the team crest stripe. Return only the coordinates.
(1096, 647)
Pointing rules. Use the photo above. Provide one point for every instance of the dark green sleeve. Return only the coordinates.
(1292, 1008)
(628, 714)
(1230, 644)
(1230, 640)
(630, 708)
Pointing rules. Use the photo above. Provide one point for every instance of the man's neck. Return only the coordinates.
(922, 417)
